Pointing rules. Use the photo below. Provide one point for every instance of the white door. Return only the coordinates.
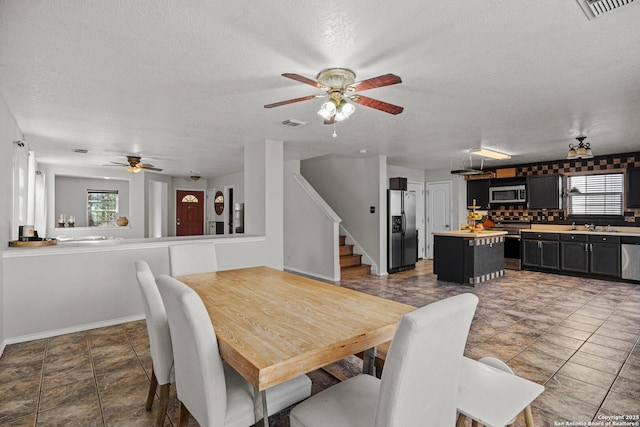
(418, 187)
(438, 211)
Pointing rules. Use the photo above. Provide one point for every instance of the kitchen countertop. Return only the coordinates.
(471, 235)
(583, 231)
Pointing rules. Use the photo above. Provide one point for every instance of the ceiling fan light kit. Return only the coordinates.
(581, 150)
(340, 85)
(133, 165)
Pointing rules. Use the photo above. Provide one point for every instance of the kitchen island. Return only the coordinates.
(468, 257)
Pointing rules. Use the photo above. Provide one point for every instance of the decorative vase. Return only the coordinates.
(122, 221)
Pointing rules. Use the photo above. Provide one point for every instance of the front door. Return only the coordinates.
(189, 213)
(439, 211)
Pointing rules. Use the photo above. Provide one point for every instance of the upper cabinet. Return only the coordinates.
(544, 192)
(478, 189)
(633, 188)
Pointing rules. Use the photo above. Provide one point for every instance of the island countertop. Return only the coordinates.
(471, 234)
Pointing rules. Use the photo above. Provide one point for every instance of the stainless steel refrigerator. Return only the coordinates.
(402, 236)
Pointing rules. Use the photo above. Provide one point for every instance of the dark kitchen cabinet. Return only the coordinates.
(604, 255)
(468, 260)
(478, 189)
(544, 192)
(574, 253)
(593, 254)
(541, 250)
(633, 188)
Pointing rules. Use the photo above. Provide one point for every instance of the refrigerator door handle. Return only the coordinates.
(404, 223)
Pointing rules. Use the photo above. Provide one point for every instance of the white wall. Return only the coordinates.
(9, 132)
(416, 175)
(254, 214)
(75, 286)
(311, 228)
(351, 187)
(71, 196)
(136, 202)
(219, 183)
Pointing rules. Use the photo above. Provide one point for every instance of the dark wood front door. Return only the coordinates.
(189, 213)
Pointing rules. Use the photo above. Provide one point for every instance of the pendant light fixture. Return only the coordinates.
(581, 150)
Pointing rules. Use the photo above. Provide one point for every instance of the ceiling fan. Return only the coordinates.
(133, 165)
(340, 85)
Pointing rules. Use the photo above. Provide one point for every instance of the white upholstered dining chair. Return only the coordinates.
(208, 388)
(192, 258)
(492, 396)
(419, 384)
(159, 340)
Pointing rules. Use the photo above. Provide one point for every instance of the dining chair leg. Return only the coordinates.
(461, 420)
(164, 404)
(152, 390)
(183, 415)
(528, 417)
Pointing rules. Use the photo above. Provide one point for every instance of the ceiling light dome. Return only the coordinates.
(344, 110)
(328, 109)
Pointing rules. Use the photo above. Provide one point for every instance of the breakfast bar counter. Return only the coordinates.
(468, 257)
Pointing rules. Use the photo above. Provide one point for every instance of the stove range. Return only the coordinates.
(512, 247)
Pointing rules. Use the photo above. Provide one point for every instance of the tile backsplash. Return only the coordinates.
(567, 167)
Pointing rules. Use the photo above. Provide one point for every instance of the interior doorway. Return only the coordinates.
(438, 211)
(189, 213)
(229, 200)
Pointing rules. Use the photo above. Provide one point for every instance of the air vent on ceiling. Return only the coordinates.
(294, 123)
(80, 150)
(594, 8)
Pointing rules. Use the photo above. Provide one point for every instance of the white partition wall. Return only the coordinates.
(9, 132)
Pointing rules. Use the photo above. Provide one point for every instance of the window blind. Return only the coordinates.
(598, 194)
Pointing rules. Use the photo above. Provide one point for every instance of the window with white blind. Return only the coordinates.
(597, 194)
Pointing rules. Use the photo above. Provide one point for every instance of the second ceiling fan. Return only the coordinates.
(340, 85)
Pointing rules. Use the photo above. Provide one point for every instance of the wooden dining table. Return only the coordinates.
(273, 326)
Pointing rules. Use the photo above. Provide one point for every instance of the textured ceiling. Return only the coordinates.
(183, 84)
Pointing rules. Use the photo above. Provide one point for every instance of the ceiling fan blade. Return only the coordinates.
(374, 82)
(149, 167)
(330, 121)
(378, 105)
(117, 164)
(291, 101)
(305, 80)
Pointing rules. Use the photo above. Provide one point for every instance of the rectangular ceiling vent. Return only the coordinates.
(294, 123)
(594, 8)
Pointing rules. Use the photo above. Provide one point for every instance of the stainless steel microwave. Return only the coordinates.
(509, 194)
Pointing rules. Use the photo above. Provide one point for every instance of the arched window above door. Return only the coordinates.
(189, 198)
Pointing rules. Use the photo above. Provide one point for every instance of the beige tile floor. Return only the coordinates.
(576, 336)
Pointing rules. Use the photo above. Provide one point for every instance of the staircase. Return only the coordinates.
(351, 264)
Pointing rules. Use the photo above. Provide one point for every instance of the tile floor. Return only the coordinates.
(576, 336)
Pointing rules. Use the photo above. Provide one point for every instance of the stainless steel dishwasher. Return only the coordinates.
(630, 257)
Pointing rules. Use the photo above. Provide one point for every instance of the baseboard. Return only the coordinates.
(312, 276)
(64, 331)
